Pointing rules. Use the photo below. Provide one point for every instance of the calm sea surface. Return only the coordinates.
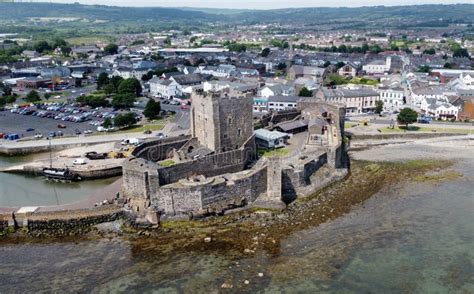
(20, 190)
(418, 238)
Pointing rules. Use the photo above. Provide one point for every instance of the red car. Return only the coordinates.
(61, 126)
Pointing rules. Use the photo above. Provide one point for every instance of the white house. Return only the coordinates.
(439, 109)
(276, 90)
(392, 97)
(278, 103)
(378, 66)
(128, 73)
(164, 88)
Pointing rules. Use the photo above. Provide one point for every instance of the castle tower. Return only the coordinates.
(221, 121)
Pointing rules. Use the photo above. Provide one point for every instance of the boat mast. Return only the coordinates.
(50, 154)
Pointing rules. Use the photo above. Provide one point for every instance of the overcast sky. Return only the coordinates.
(260, 4)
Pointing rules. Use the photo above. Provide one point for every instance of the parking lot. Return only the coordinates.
(60, 118)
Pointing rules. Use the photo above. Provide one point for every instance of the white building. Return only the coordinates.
(128, 73)
(276, 90)
(165, 88)
(378, 66)
(439, 109)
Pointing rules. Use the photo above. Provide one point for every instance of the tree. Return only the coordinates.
(460, 52)
(149, 75)
(115, 81)
(304, 92)
(47, 96)
(448, 65)
(130, 86)
(424, 68)
(41, 46)
(125, 100)
(265, 52)
(107, 123)
(102, 80)
(281, 66)
(340, 64)
(327, 63)
(93, 101)
(125, 120)
(407, 116)
(378, 106)
(152, 109)
(109, 89)
(111, 49)
(430, 51)
(32, 96)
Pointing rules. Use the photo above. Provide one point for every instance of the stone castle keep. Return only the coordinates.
(216, 168)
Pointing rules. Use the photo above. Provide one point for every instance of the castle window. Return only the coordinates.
(239, 132)
(229, 120)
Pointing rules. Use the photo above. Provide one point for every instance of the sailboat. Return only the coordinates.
(60, 174)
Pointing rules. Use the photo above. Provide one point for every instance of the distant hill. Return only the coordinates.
(136, 19)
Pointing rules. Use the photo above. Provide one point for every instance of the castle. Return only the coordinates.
(217, 167)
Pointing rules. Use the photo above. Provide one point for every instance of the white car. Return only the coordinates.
(87, 132)
(38, 136)
(79, 161)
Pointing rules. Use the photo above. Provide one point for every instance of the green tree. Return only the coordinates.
(424, 68)
(265, 52)
(93, 101)
(3, 102)
(430, 51)
(460, 52)
(115, 81)
(32, 96)
(125, 120)
(109, 89)
(378, 106)
(407, 116)
(42, 46)
(47, 96)
(152, 109)
(102, 80)
(130, 86)
(107, 123)
(304, 92)
(327, 63)
(121, 101)
(281, 66)
(111, 49)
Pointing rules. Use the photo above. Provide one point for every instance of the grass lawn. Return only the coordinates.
(89, 40)
(166, 163)
(425, 129)
(280, 152)
(141, 128)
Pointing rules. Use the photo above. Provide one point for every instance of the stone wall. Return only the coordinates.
(62, 222)
(214, 196)
(160, 149)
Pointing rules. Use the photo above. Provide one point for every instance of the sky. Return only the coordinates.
(260, 4)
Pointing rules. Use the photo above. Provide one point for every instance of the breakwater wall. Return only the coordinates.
(58, 223)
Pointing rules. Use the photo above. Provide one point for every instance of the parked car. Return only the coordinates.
(61, 126)
(79, 161)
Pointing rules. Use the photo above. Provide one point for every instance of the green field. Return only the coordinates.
(89, 40)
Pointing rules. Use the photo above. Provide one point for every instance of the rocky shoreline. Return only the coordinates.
(244, 232)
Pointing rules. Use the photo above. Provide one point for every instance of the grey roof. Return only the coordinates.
(292, 125)
(348, 93)
(188, 79)
(288, 99)
(267, 135)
